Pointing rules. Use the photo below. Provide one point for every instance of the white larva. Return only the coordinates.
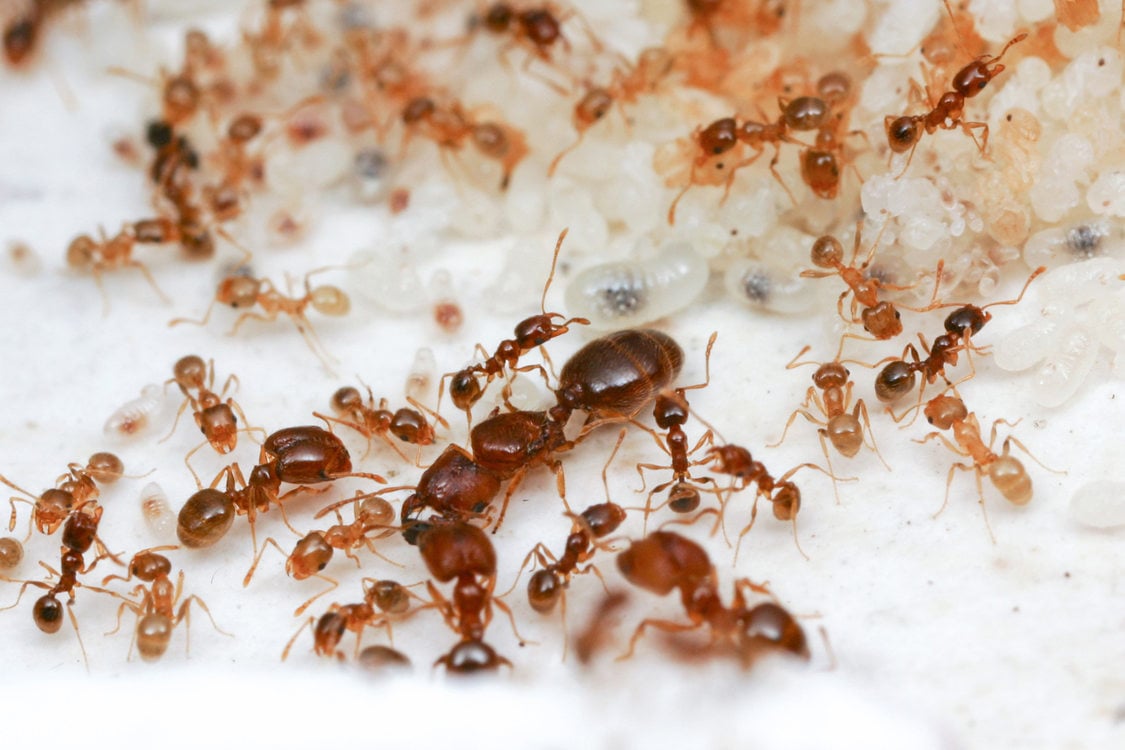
(1099, 504)
(157, 512)
(763, 287)
(135, 416)
(1064, 371)
(625, 293)
(1057, 246)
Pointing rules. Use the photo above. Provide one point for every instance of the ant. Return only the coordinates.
(465, 388)
(296, 455)
(670, 412)
(383, 601)
(904, 132)
(847, 432)
(408, 425)
(215, 417)
(897, 378)
(463, 554)
(784, 496)
(110, 253)
(625, 86)
(74, 489)
(663, 562)
(820, 164)
(1005, 471)
(156, 610)
(241, 292)
(314, 550)
(880, 318)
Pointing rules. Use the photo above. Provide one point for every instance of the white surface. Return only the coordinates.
(941, 638)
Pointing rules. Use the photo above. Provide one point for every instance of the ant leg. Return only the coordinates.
(823, 435)
(148, 276)
(373, 550)
(334, 583)
(541, 554)
(180, 413)
(81, 645)
(945, 441)
(949, 483)
(512, 620)
(250, 430)
(187, 462)
(249, 316)
(665, 625)
(860, 412)
(1022, 447)
(983, 507)
(206, 609)
(258, 559)
(285, 653)
(789, 423)
(305, 327)
(201, 322)
(746, 529)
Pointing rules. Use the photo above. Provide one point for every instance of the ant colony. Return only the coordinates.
(423, 306)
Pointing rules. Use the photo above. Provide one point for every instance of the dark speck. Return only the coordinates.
(1083, 241)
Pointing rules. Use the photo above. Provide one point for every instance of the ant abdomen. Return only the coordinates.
(154, 633)
(544, 589)
(629, 293)
(205, 518)
(894, 381)
(1011, 479)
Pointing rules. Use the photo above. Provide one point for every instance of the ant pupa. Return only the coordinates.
(135, 415)
(762, 286)
(447, 312)
(623, 294)
(157, 512)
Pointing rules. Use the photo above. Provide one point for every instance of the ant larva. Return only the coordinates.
(847, 432)
(156, 611)
(135, 415)
(1005, 471)
(157, 513)
(664, 562)
(241, 292)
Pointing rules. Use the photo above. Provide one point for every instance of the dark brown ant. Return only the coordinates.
(384, 601)
(241, 292)
(880, 318)
(847, 432)
(314, 550)
(215, 417)
(294, 455)
(22, 32)
(1005, 471)
(663, 562)
(408, 425)
(898, 377)
(904, 132)
(465, 388)
(463, 554)
(670, 412)
(156, 610)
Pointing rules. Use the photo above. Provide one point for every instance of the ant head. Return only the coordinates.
(148, 566)
(491, 139)
(834, 87)
(831, 375)
(541, 27)
(417, 109)
(719, 137)
(603, 519)
(53, 506)
(593, 106)
(82, 252)
(244, 128)
(239, 291)
(105, 467)
(882, 321)
(804, 112)
(464, 389)
(943, 411)
(180, 98)
(827, 252)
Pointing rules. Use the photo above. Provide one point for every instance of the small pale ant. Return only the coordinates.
(384, 601)
(106, 254)
(464, 387)
(1005, 471)
(74, 489)
(408, 425)
(156, 611)
(664, 562)
(242, 292)
(847, 432)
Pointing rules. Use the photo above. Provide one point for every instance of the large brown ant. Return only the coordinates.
(156, 611)
(465, 388)
(663, 562)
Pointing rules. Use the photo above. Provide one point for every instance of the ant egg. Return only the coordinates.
(625, 294)
(763, 287)
(135, 416)
(157, 512)
(1099, 504)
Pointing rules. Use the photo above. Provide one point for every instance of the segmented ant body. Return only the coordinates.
(848, 432)
(664, 562)
(408, 425)
(156, 611)
(73, 490)
(384, 601)
(465, 388)
(905, 132)
(108, 254)
(821, 163)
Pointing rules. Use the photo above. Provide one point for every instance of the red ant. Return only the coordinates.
(295, 455)
(820, 164)
(904, 132)
(663, 562)
(383, 601)
(408, 425)
(74, 489)
(314, 550)
(464, 387)
(847, 432)
(215, 417)
(156, 610)
(1005, 471)
(110, 253)
(463, 554)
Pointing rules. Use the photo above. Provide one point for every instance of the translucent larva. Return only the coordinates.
(135, 416)
(1058, 246)
(158, 515)
(630, 293)
(1099, 504)
(764, 287)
